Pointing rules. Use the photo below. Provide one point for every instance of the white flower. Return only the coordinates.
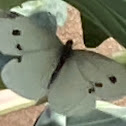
(58, 8)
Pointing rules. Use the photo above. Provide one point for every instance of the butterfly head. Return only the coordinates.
(69, 42)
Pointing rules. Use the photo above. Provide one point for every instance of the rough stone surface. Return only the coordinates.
(24, 117)
(72, 28)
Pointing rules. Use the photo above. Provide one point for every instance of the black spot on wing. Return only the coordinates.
(16, 32)
(91, 90)
(113, 79)
(97, 84)
(18, 46)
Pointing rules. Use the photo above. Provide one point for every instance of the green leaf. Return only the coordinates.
(7, 4)
(120, 57)
(102, 19)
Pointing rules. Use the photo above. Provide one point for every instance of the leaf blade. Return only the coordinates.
(103, 17)
(7, 4)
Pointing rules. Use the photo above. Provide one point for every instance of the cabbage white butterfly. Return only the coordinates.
(70, 78)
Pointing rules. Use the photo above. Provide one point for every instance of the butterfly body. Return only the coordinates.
(65, 54)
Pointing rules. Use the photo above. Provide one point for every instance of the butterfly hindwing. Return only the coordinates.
(69, 92)
(29, 77)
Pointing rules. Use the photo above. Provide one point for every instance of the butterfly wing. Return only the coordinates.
(19, 30)
(30, 77)
(38, 48)
(84, 76)
(107, 76)
(68, 94)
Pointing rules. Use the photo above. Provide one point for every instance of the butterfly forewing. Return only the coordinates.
(24, 32)
(107, 76)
